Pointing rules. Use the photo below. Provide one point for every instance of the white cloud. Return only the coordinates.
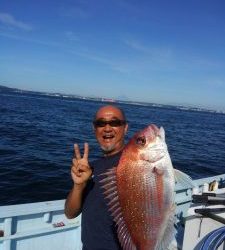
(218, 83)
(153, 51)
(136, 45)
(75, 12)
(71, 36)
(122, 67)
(30, 40)
(9, 20)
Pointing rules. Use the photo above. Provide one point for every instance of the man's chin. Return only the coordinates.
(108, 149)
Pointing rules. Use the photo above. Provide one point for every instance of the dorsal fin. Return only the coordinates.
(109, 184)
(162, 133)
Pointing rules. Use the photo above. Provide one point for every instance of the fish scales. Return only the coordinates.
(141, 217)
(144, 191)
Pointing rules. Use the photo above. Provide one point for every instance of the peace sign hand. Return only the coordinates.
(80, 170)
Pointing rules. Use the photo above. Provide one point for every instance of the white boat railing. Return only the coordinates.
(38, 226)
(43, 225)
(183, 196)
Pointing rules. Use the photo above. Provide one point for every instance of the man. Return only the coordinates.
(86, 196)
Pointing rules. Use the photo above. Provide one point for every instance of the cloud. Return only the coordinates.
(153, 51)
(148, 59)
(30, 40)
(218, 83)
(75, 12)
(136, 45)
(9, 20)
(71, 36)
(122, 67)
(170, 58)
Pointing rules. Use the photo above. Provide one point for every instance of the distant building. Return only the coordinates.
(107, 100)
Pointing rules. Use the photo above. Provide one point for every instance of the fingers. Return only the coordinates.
(80, 170)
(83, 168)
(77, 151)
(86, 151)
(76, 171)
(80, 165)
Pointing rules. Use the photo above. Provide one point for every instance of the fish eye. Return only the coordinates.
(141, 141)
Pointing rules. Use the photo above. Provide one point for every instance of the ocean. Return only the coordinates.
(37, 134)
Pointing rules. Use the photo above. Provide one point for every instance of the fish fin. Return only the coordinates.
(111, 194)
(158, 170)
(162, 133)
(183, 179)
(169, 233)
(124, 235)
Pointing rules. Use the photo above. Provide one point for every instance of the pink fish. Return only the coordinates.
(141, 194)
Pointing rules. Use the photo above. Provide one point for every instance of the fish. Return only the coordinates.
(140, 192)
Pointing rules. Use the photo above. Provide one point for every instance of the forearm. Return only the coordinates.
(73, 202)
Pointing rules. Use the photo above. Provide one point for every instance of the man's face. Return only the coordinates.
(110, 137)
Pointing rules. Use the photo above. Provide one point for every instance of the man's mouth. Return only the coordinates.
(108, 137)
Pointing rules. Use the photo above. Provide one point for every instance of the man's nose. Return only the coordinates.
(107, 127)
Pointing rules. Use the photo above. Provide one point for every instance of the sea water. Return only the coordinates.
(37, 134)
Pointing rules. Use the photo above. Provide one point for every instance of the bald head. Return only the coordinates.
(110, 128)
(110, 109)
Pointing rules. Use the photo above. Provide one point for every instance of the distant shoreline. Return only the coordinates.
(8, 90)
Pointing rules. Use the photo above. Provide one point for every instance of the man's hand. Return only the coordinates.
(80, 170)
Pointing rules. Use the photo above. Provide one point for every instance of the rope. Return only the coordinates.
(213, 239)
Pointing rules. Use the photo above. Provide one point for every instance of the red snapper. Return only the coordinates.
(141, 194)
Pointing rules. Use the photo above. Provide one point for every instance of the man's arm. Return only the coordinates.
(73, 202)
(80, 173)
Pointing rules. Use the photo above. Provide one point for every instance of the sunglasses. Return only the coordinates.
(112, 123)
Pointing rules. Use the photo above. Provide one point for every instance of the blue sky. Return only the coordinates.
(169, 52)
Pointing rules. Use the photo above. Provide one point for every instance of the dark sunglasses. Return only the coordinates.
(112, 123)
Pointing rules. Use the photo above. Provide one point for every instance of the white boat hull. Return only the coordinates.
(43, 225)
(38, 226)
